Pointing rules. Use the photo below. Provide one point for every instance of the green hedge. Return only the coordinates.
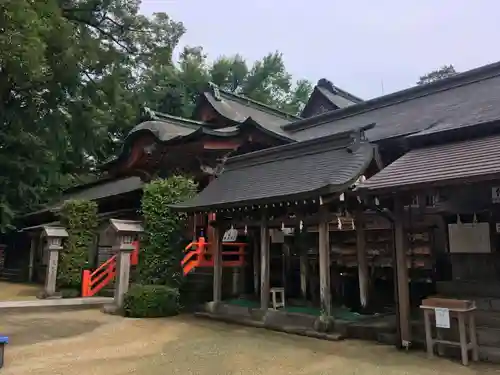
(162, 243)
(151, 301)
(79, 217)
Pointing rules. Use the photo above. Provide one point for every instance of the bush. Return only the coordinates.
(151, 301)
(79, 217)
(162, 242)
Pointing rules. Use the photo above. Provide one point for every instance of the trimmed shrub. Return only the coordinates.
(151, 301)
(79, 217)
(162, 243)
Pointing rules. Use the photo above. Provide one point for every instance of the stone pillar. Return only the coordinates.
(123, 252)
(54, 237)
(126, 231)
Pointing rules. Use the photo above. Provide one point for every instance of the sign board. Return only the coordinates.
(497, 226)
(230, 235)
(442, 317)
(495, 194)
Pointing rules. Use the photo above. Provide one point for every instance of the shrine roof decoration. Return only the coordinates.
(328, 97)
(238, 109)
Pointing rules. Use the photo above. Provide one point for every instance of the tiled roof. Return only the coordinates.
(294, 171)
(95, 191)
(238, 109)
(465, 99)
(442, 164)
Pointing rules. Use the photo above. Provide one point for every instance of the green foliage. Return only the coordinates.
(73, 74)
(266, 80)
(444, 72)
(151, 301)
(79, 217)
(162, 243)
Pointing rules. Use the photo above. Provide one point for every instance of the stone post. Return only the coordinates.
(54, 237)
(125, 231)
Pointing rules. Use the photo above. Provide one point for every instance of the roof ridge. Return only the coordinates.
(100, 181)
(261, 105)
(148, 114)
(311, 146)
(462, 79)
(326, 83)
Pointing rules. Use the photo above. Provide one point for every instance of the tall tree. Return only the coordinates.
(68, 73)
(444, 72)
(267, 81)
(73, 74)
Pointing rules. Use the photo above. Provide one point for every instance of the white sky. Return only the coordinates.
(365, 47)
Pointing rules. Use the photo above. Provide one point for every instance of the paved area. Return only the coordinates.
(89, 342)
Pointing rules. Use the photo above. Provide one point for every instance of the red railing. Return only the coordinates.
(201, 255)
(93, 282)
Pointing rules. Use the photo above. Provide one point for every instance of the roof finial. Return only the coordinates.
(215, 90)
(146, 113)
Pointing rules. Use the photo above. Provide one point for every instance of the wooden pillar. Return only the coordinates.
(324, 263)
(217, 254)
(33, 247)
(363, 271)
(304, 268)
(264, 264)
(256, 265)
(401, 245)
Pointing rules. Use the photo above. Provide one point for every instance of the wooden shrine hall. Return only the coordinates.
(297, 186)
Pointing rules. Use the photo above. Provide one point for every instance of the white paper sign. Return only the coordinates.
(230, 235)
(442, 317)
(495, 194)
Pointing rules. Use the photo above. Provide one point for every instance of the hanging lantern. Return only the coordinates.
(301, 225)
(245, 230)
(339, 223)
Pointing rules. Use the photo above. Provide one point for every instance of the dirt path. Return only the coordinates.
(88, 342)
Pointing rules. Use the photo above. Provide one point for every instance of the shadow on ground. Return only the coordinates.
(28, 329)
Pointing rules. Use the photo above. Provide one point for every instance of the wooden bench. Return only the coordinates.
(4, 340)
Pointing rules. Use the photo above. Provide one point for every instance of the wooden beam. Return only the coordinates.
(363, 270)
(309, 220)
(324, 264)
(401, 267)
(217, 254)
(264, 264)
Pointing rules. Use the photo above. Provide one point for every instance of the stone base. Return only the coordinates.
(294, 323)
(44, 295)
(111, 309)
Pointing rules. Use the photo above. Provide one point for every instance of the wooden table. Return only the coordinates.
(464, 315)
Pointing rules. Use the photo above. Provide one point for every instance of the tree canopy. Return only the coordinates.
(444, 72)
(73, 74)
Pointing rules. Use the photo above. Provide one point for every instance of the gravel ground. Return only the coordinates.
(91, 343)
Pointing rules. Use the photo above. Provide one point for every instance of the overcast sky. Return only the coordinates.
(365, 47)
